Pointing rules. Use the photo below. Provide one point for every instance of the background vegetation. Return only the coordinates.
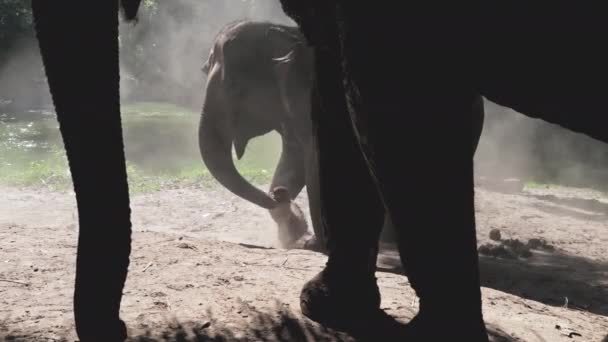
(162, 91)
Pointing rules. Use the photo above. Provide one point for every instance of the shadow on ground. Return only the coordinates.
(552, 278)
(578, 208)
(587, 204)
(279, 326)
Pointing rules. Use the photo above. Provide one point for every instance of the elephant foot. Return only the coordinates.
(288, 236)
(342, 302)
(315, 244)
(102, 332)
(428, 327)
(289, 217)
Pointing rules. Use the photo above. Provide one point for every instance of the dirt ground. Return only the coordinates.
(209, 260)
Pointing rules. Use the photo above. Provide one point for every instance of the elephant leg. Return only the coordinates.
(345, 293)
(290, 168)
(478, 114)
(478, 120)
(318, 242)
(80, 55)
(289, 174)
(411, 111)
(388, 231)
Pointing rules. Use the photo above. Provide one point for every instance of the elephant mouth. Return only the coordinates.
(215, 144)
(240, 145)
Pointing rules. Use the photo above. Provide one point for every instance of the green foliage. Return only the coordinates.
(15, 20)
(52, 172)
(49, 170)
(155, 109)
(537, 185)
(149, 5)
(161, 147)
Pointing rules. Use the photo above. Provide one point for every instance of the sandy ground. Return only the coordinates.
(193, 262)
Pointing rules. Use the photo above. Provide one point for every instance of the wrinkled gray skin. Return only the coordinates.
(259, 78)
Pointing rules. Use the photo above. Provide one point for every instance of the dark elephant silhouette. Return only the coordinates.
(410, 112)
(80, 55)
(399, 81)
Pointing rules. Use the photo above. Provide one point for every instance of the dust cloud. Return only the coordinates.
(515, 146)
(174, 38)
(161, 61)
(22, 81)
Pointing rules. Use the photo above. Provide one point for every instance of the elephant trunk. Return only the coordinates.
(215, 143)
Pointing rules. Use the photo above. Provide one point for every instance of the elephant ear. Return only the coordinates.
(286, 59)
(291, 38)
(282, 69)
(291, 33)
(210, 60)
(293, 72)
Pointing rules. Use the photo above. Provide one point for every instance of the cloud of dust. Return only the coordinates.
(515, 146)
(22, 80)
(163, 54)
(175, 38)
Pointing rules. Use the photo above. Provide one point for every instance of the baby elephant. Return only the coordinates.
(289, 217)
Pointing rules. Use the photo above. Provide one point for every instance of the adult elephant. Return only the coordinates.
(420, 103)
(401, 126)
(260, 80)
